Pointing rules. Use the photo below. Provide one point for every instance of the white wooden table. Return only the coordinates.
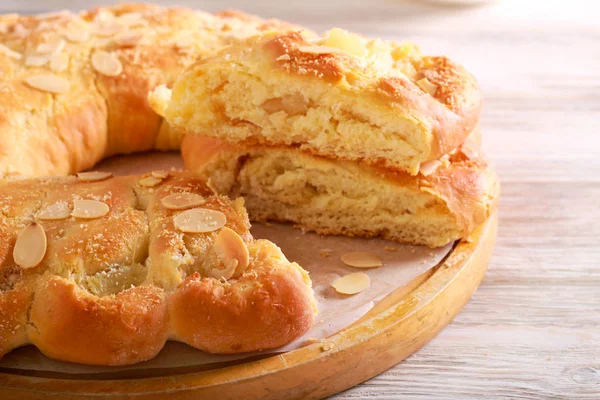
(532, 331)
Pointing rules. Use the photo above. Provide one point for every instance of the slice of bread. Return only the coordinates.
(339, 96)
(444, 202)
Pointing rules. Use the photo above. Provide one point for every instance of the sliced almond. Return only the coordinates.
(427, 86)
(30, 246)
(48, 83)
(56, 211)
(468, 150)
(199, 220)
(294, 104)
(36, 60)
(361, 259)
(20, 31)
(150, 181)
(76, 35)
(51, 47)
(102, 42)
(104, 15)
(132, 19)
(429, 167)
(89, 209)
(108, 29)
(160, 174)
(93, 176)
(233, 253)
(7, 51)
(319, 49)
(128, 38)
(352, 283)
(106, 63)
(182, 201)
(59, 62)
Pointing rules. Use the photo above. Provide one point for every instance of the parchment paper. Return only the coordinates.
(320, 255)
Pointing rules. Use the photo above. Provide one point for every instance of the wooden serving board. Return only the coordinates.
(393, 329)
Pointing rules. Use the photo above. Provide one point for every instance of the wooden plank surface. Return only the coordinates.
(532, 331)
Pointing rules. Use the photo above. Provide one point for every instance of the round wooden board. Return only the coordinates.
(395, 328)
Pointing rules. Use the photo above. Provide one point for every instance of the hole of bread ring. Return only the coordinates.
(199, 220)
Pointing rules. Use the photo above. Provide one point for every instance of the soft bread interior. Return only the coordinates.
(252, 100)
(333, 197)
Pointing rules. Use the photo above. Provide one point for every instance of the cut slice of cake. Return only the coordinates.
(444, 202)
(339, 96)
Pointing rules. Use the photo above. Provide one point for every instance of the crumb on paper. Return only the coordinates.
(325, 253)
(550, 358)
(327, 346)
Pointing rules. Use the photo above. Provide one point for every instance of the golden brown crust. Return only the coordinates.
(287, 55)
(99, 114)
(69, 324)
(455, 113)
(467, 184)
(273, 296)
(111, 289)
